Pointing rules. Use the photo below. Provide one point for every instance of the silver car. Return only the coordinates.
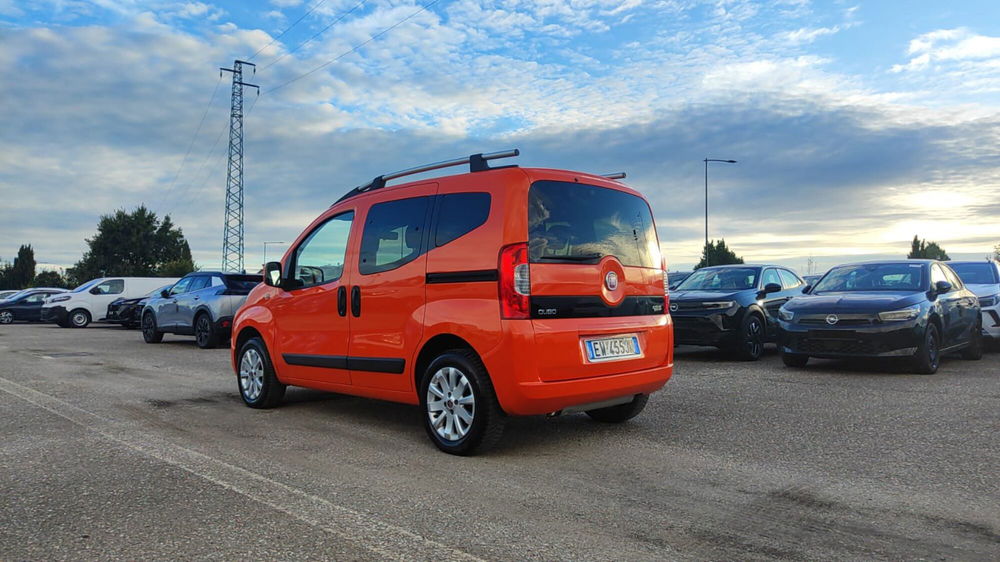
(201, 304)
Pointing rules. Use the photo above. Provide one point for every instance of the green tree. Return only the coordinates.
(922, 249)
(135, 244)
(5, 269)
(717, 253)
(22, 272)
(50, 279)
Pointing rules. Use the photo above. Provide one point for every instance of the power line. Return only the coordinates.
(296, 22)
(317, 34)
(355, 49)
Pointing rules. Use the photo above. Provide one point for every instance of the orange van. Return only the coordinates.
(501, 291)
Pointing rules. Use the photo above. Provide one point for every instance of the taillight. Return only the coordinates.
(515, 282)
(666, 286)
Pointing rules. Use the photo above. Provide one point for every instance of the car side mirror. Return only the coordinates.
(942, 287)
(95, 291)
(806, 289)
(772, 288)
(165, 293)
(272, 274)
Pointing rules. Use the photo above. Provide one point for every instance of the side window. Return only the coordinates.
(770, 276)
(181, 286)
(320, 258)
(111, 287)
(952, 277)
(199, 283)
(459, 214)
(393, 234)
(788, 279)
(937, 275)
(37, 297)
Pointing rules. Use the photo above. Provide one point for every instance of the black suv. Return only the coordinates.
(732, 307)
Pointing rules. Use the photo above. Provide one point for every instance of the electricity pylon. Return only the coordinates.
(232, 235)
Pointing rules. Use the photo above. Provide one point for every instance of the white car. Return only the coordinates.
(90, 301)
(983, 278)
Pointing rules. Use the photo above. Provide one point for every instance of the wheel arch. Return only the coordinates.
(434, 347)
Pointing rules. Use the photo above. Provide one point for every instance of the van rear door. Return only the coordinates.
(597, 297)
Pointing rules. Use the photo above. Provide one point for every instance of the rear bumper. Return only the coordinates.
(224, 326)
(55, 314)
(900, 339)
(515, 366)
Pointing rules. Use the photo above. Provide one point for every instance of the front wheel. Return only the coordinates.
(79, 318)
(750, 342)
(459, 407)
(622, 412)
(6, 317)
(149, 332)
(204, 332)
(928, 356)
(259, 386)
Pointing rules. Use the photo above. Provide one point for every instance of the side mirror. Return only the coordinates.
(165, 293)
(272, 274)
(806, 289)
(772, 288)
(942, 287)
(95, 291)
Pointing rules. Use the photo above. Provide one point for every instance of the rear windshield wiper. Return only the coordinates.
(584, 257)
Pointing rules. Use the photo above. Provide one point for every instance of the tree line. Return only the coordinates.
(127, 244)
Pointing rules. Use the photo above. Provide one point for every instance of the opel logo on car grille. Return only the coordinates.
(832, 319)
(673, 307)
(611, 280)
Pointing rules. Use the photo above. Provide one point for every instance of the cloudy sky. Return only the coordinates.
(856, 124)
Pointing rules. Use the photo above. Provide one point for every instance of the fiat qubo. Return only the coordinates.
(498, 292)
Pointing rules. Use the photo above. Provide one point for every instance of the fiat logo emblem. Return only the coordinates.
(611, 280)
(832, 319)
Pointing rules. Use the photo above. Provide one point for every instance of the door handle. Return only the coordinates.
(356, 301)
(342, 300)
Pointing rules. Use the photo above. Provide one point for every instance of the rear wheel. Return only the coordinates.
(204, 332)
(459, 407)
(750, 343)
(928, 356)
(794, 359)
(975, 350)
(149, 332)
(79, 318)
(622, 412)
(259, 386)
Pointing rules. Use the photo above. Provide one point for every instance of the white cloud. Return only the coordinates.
(947, 46)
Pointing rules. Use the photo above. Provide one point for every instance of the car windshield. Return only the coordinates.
(982, 273)
(721, 279)
(156, 292)
(873, 277)
(14, 295)
(85, 286)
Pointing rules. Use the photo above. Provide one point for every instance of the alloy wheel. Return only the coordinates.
(6, 317)
(202, 331)
(251, 375)
(451, 403)
(753, 342)
(932, 350)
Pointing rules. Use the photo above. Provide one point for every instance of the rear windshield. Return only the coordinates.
(578, 223)
(243, 282)
(976, 273)
(723, 279)
(873, 277)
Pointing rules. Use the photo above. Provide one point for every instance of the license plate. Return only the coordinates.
(605, 349)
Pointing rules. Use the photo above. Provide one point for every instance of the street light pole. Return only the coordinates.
(707, 160)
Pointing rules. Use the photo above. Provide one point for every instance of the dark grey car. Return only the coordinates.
(201, 304)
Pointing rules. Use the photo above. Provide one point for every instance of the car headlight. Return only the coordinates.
(719, 305)
(897, 315)
(786, 315)
(59, 298)
(986, 302)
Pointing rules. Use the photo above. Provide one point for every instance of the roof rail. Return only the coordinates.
(615, 176)
(476, 162)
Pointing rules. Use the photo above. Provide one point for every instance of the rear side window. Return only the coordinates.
(578, 223)
(243, 283)
(788, 279)
(460, 214)
(393, 235)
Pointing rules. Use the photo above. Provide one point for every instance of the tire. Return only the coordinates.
(78, 318)
(794, 359)
(258, 385)
(205, 334)
(750, 342)
(149, 332)
(458, 404)
(6, 317)
(975, 350)
(928, 356)
(622, 412)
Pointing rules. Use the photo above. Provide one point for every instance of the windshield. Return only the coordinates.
(578, 223)
(156, 292)
(983, 273)
(86, 286)
(722, 279)
(873, 277)
(15, 295)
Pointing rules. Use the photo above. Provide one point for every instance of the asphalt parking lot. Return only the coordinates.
(116, 449)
